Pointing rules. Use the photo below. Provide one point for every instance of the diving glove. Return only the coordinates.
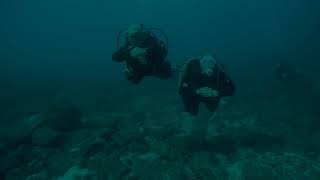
(207, 92)
(127, 69)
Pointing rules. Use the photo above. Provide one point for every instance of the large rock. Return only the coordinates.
(47, 137)
(15, 174)
(13, 160)
(20, 131)
(63, 117)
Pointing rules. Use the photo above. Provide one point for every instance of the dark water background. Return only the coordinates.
(61, 50)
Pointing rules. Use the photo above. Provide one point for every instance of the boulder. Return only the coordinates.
(44, 136)
(13, 160)
(19, 132)
(63, 117)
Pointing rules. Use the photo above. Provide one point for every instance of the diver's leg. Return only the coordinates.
(197, 127)
(212, 105)
(191, 104)
(134, 78)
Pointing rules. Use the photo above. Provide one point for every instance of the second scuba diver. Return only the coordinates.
(143, 54)
(204, 80)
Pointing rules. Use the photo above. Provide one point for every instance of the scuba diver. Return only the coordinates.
(143, 53)
(285, 71)
(204, 80)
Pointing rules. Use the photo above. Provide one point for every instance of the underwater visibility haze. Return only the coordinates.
(67, 110)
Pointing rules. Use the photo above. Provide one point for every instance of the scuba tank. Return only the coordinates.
(156, 32)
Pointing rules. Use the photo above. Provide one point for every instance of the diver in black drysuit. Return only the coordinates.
(208, 86)
(143, 55)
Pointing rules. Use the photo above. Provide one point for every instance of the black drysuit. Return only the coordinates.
(156, 54)
(193, 79)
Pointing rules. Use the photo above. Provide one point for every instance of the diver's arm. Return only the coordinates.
(186, 84)
(184, 87)
(228, 86)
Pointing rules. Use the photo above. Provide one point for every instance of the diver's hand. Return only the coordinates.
(185, 85)
(140, 54)
(127, 69)
(207, 92)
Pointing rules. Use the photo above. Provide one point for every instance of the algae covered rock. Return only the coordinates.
(222, 143)
(107, 167)
(150, 166)
(15, 174)
(125, 137)
(75, 173)
(63, 117)
(88, 147)
(287, 166)
(19, 132)
(38, 176)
